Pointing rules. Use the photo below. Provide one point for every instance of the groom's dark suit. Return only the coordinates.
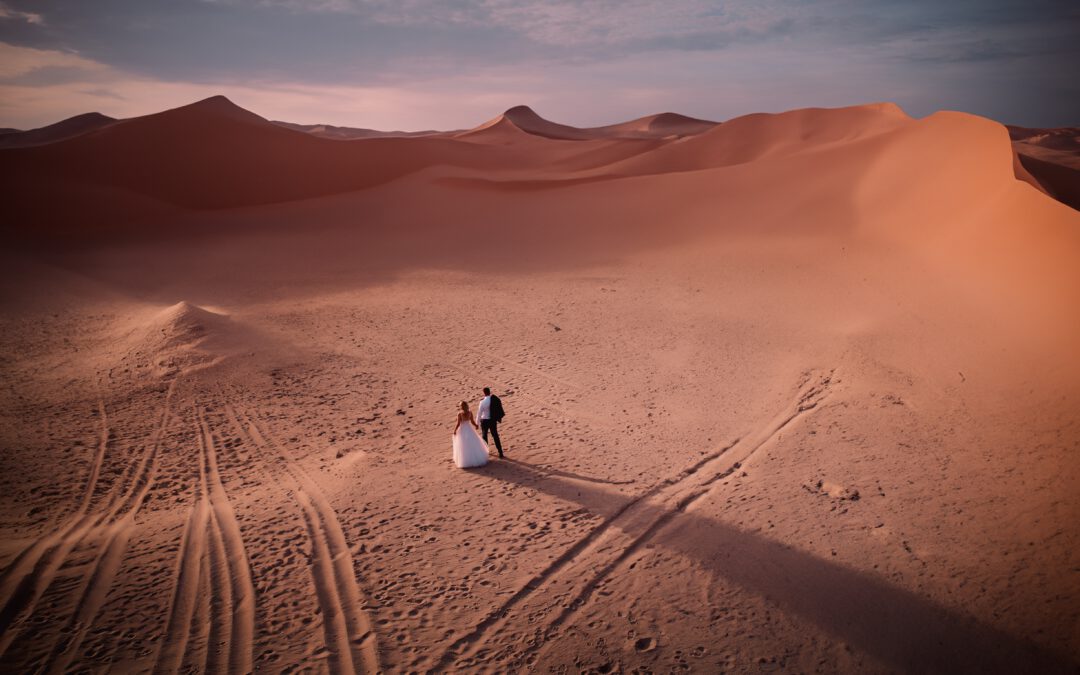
(491, 423)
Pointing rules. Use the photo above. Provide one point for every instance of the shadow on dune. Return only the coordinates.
(908, 631)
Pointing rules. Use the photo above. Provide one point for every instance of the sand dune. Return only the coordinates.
(795, 392)
(208, 155)
(69, 128)
(662, 125)
(350, 133)
(524, 119)
(1052, 157)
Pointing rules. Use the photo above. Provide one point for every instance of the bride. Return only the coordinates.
(469, 449)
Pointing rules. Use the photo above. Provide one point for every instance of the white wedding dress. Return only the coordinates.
(469, 449)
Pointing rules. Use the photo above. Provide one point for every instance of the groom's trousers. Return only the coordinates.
(493, 427)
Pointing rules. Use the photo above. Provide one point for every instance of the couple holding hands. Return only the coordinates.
(469, 449)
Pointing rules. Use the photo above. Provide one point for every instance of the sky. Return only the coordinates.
(424, 64)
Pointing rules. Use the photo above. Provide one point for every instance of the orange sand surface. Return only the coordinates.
(792, 392)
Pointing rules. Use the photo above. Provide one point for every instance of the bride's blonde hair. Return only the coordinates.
(464, 406)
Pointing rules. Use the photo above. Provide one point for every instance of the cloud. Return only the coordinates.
(7, 13)
(18, 61)
(101, 92)
(560, 23)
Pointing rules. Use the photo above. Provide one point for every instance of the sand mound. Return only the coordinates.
(186, 325)
(180, 339)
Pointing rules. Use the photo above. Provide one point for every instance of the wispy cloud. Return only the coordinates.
(562, 23)
(18, 61)
(9, 14)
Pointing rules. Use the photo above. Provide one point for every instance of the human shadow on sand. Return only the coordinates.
(544, 471)
(910, 632)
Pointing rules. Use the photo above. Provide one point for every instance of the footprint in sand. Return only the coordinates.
(645, 644)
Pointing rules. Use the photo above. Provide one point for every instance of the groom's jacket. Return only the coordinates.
(496, 409)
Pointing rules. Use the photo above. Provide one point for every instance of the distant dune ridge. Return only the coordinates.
(69, 128)
(349, 133)
(525, 119)
(1052, 156)
(213, 154)
(791, 392)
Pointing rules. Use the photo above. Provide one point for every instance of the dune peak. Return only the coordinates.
(179, 338)
(217, 106)
(886, 108)
(185, 322)
(92, 116)
(216, 100)
(523, 111)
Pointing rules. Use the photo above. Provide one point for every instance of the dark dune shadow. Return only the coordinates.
(908, 631)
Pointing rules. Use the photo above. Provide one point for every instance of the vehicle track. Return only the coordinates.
(569, 581)
(240, 590)
(120, 525)
(348, 631)
(20, 587)
(34, 571)
(211, 622)
(185, 590)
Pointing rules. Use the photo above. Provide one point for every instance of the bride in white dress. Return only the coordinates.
(469, 449)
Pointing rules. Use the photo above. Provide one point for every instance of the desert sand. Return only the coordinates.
(1052, 157)
(794, 392)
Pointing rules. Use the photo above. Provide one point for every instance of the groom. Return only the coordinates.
(491, 413)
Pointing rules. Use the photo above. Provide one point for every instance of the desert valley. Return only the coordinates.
(792, 392)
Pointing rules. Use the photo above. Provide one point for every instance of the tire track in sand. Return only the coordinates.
(117, 532)
(211, 619)
(348, 631)
(18, 592)
(569, 581)
(27, 579)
